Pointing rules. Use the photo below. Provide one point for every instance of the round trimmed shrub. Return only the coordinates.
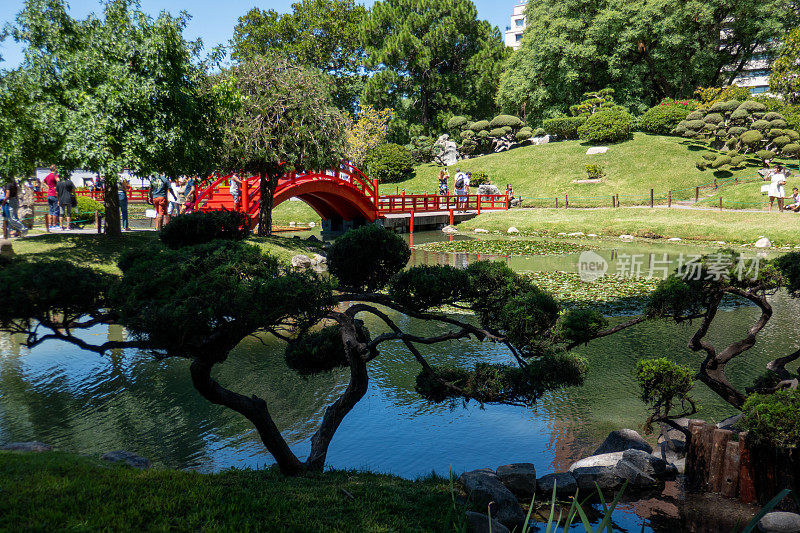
(752, 106)
(695, 115)
(773, 418)
(761, 125)
(457, 122)
(751, 137)
(772, 116)
(479, 125)
(87, 205)
(710, 156)
(523, 135)
(713, 118)
(793, 135)
(191, 229)
(680, 129)
(781, 141)
(721, 161)
(737, 161)
(467, 134)
(701, 164)
(389, 163)
(611, 125)
(775, 132)
(736, 131)
(539, 132)
(507, 129)
(694, 125)
(366, 258)
(662, 119)
(778, 123)
(765, 155)
(497, 132)
(791, 149)
(483, 134)
(506, 120)
(725, 107)
(563, 127)
(740, 115)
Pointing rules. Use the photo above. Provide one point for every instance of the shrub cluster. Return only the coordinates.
(663, 118)
(773, 418)
(608, 125)
(563, 128)
(389, 163)
(197, 228)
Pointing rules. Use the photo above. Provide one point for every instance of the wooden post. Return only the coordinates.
(719, 444)
(613, 201)
(451, 217)
(747, 487)
(730, 472)
(715, 183)
(651, 198)
(736, 180)
(97, 221)
(47, 221)
(669, 199)
(566, 201)
(556, 202)
(697, 194)
(720, 203)
(412, 222)
(617, 199)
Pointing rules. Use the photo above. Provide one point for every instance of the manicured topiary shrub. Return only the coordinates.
(751, 138)
(607, 125)
(563, 127)
(353, 261)
(662, 119)
(792, 149)
(457, 122)
(523, 135)
(781, 141)
(765, 155)
(773, 418)
(761, 125)
(695, 115)
(466, 134)
(389, 163)
(506, 120)
(539, 132)
(725, 107)
(87, 206)
(752, 106)
(497, 132)
(479, 125)
(202, 227)
(720, 161)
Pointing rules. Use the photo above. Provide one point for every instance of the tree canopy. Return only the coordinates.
(785, 76)
(644, 49)
(279, 118)
(435, 55)
(319, 33)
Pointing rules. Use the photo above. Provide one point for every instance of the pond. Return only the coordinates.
(83, 403)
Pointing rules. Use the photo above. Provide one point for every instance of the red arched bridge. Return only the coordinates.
(342, 197)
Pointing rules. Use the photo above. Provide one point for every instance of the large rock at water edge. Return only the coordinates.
(519, 478)
(653, 466)
(129, 458)
(481, 230)
(636, 477)
(488, 189)
(621, 440)
(483, 486)
(604, 459)
(30, 446)
(449, 229)
(479, 523)
(763, 242)
(319, 259)
(606, 478)
(564, 483)
(301, 261)
(780, 522)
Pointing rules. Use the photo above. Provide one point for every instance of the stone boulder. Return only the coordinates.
(519, 478)
(317, 259)
(449, 229)
(626, 237)
(636, 477)
(479, 523)
(564, 483)
(483, 486)
(653, 466)
(591, 478)
(763, 242)
(481, 230)
(446, 151)
(30, 446)
(594, 150)
(301, 261)
(605, 459)
(129, 458)
(780, 522)
(544, 139)
(6, 248)
(488, 189)
(512, 229)
(621, 440)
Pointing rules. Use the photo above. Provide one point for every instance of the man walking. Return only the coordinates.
(160, 188)
(51, 181)
(65, 190)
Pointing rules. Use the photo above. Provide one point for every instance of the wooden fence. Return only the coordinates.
(719, 460)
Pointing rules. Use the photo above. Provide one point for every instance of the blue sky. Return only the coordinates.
(212, 20)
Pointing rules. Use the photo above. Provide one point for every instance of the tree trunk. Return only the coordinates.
(268, 182)
(253, 408)
(111, 202)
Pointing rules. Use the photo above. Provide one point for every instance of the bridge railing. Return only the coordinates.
(134, 195)
(421, 203)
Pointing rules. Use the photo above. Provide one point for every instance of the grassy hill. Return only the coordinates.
(547, 171)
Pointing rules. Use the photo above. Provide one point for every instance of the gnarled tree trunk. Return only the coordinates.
(111, 203)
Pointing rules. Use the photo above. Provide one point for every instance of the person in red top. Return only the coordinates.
(52, 196)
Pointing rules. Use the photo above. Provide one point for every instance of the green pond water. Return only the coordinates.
(83, 403)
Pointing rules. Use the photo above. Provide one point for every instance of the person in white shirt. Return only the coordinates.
(776, 191)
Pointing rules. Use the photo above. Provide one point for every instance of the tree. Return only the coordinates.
(785, 76)
(367, 132)
(435, 53)
(227, 290)
(281, 120)
(319, 33)
(124, 91)
(644, 49)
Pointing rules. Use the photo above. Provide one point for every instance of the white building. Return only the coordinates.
(514, 31)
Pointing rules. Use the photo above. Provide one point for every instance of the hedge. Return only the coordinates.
(662, 119)
(563, 127)
(607, 125)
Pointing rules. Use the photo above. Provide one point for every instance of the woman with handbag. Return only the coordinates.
(776, 191)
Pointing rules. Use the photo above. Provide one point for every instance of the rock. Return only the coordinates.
(621, 440)
(591, 235)
(605, 477)
(564, 482)
(312, 224)
(561, 234)
(512, 229)
(635, 476)
(673, 433)
(763, 242)
(720, 242)
(653, 466)
(301, 261)
(516, 202)
(479, 523)
(674, 239)
(519, 478)
(6, 248)
(540, 140)
(446, 151)
(319, 259)
(575, 234)
(480, 230)
(130, 459)
(488, 189)
(671, 453)
(605, 459)
(30, 446)
(312, 238)
(780, 522)
(626, 237)
(292, 224)
(730, 422)
(483, 486)
(594, 150)
(449, 229)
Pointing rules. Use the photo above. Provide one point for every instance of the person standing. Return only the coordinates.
(65, 191)
(190, 194)
(174, 208)
(122, 196)
(51, 181)
(776, 191)
(11, 200)
(461, 188)
(236, 191)
(160, 188)
(443, 182)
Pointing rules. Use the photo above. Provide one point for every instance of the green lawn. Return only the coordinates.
(729, 226)
(632, 168)
(101, 253)
(57, 492)
(293, 211)
(747, 195)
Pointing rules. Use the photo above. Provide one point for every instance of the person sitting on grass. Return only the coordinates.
(795, 205)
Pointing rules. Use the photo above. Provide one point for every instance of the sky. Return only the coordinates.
(212, 20)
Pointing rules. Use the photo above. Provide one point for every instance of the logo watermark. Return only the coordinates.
(591, 266)
(718, 266)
